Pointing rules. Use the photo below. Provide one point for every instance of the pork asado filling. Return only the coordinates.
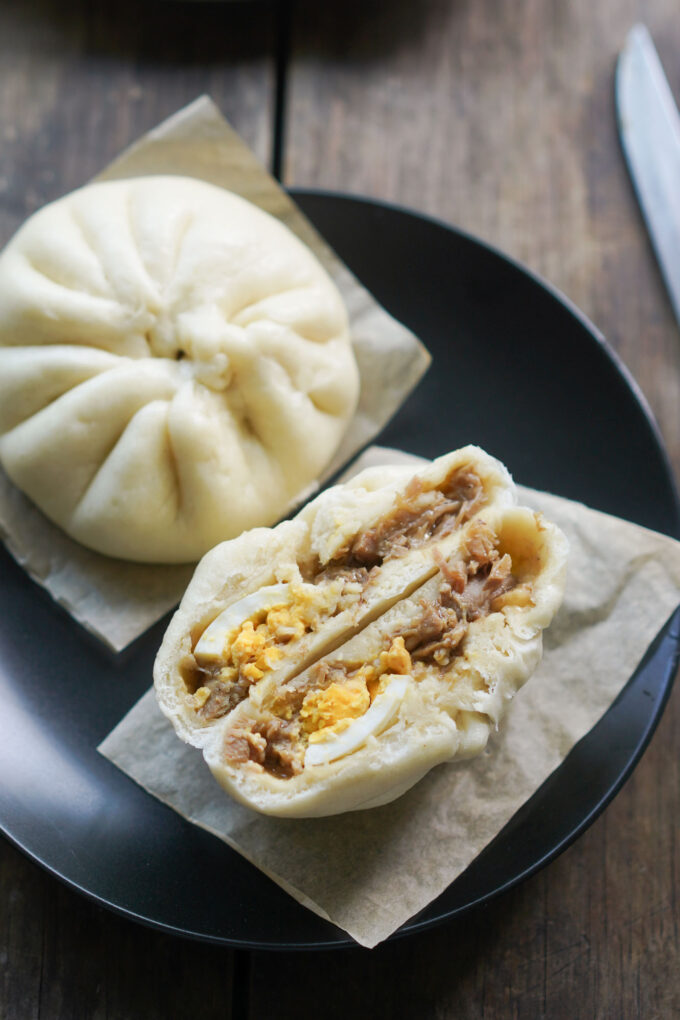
(329, 697)
(259, 643)
(421, 515)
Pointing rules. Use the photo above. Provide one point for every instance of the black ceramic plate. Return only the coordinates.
(517, 371)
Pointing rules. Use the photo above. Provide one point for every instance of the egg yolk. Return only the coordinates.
(395, 660)
(285, 624)
(333, 710)
(251, 653)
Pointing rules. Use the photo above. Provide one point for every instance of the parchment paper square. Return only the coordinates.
(369, 871)
(117, 600)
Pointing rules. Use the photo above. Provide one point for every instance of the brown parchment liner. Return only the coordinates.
(117, 600)
(369, 871)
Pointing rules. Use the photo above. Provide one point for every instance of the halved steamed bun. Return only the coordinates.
(425, 683)
(271, 601)
(175, 366)
(327, 664)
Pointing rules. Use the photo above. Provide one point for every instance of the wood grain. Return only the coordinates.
(499, 118)
(63, 956)
(78, 82)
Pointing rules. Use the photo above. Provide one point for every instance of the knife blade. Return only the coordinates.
(649, 128)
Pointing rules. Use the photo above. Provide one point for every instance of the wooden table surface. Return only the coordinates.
(497, 117)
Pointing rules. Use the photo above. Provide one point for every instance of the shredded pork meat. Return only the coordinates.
(484, 588)
(244, 745)
(273, 744)
(437, 634)
(351, 573)
(420, 515)
(224, 696)
(472, 580)
(283, 757)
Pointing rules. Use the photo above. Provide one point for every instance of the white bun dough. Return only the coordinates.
(175, 366)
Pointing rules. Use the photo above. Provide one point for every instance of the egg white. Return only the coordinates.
(211, 645)
(373, 721)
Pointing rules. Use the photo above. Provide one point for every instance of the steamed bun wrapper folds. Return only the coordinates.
(175, 366)
(328, 664)
(156, 336)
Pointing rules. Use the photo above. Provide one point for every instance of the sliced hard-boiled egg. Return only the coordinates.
(211, 645)
(373, 721)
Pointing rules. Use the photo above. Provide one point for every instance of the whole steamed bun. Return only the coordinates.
(175, 366)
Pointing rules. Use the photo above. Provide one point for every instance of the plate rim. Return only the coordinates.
(414, 926)
(563, 299)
